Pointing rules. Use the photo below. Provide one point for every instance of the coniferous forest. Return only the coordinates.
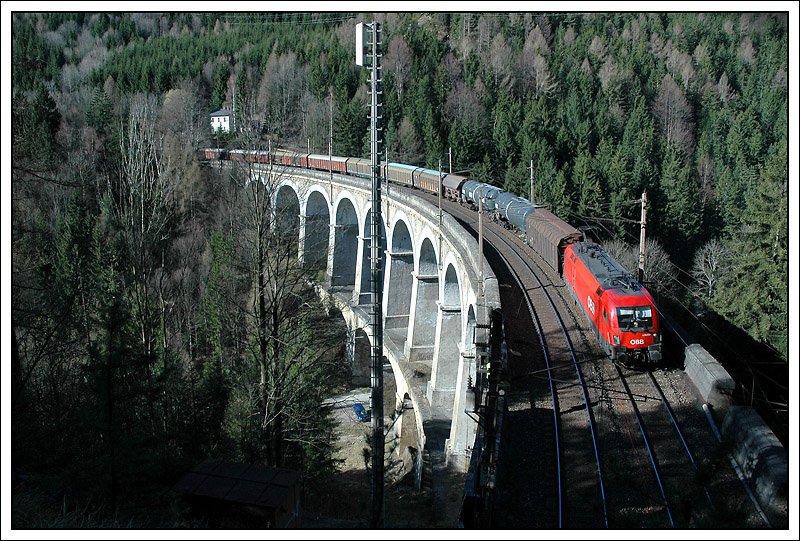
(145, 336)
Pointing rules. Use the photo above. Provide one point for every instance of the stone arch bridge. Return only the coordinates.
(434, 312)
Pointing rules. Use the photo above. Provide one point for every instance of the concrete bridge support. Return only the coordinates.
(399, 283)
(361, 293)
(446, 354)
(316, 232)
(423, 315)
(358, 350)
(462, 433)
(430, 302)
(344, 239)
(287, 219)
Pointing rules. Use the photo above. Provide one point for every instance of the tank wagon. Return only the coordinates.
(474, 190)
(512, 209)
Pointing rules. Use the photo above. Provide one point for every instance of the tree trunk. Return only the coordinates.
(277, 378)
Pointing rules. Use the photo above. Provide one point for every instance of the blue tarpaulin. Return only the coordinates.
(361, 413)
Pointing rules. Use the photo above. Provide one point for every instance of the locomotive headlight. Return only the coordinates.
(656, 338)
(616, 340)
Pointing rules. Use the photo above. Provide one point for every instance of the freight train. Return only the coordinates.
(621, 311)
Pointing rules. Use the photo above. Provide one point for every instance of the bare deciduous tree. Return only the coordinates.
(657, 45)
(705, 174)
(586, 67)
(747, 52)
(282, 87)
(280, 300)
(463, 103)
(487, 28)
(398, 61)
(500, 60)
(598, 49)
(533, 70)
(543, 80)
(674, 113)
(182, 113)
(680, 64)
(711, 262)
(316, 121)
(143, 205)
(607, 73)
(659, 274)
(569, 36)
(724, 88)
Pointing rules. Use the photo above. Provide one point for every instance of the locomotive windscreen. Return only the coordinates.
(637, 318)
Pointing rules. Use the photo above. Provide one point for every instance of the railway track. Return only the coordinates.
(581, 500)
(552, 442)
(650, 475)
(587, 444)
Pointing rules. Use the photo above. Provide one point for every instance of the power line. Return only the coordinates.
(252, 18)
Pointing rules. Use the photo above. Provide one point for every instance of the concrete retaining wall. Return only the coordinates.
(711, 380)
(754, 447)
(763, 461)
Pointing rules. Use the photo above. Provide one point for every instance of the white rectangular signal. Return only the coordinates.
(361, 44)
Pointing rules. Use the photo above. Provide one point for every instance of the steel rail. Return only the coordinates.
(551, 380)
(650, 451)
(576, 365)
(678, 430)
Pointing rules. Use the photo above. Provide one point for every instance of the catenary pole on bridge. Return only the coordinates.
(532, 192)
(330, 140)
(440, 213)
(371, 40)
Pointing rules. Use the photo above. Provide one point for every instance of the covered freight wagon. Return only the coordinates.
(401, 173)
(427, 179)
(549, 235)
(451, 186)
(326, 163)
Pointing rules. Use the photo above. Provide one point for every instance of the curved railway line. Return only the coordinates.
(560, 455)
(587, 443)
(577, 454)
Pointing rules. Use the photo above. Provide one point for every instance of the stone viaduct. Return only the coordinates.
(434, 308)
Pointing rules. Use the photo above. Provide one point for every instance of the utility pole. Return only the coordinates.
(330, 143)
(440, 213)
(480, 247)
(365, 42)
(641, 236)
(532, 194)
(440, 197)
(449, 160)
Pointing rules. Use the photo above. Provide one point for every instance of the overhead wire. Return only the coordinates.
(251, 18)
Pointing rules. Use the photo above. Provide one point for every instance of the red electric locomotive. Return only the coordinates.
(621, 310)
